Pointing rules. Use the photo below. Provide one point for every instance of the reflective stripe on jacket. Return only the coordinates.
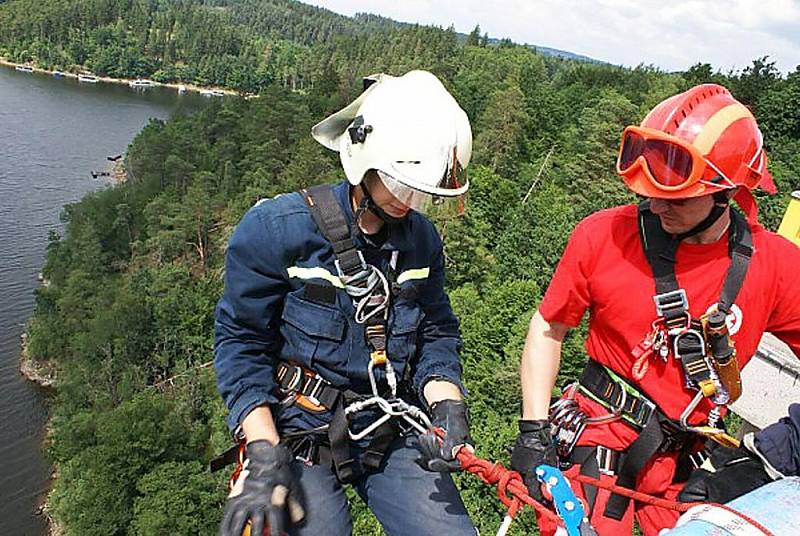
(267, 311)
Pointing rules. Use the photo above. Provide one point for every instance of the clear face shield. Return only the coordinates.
(439, 201)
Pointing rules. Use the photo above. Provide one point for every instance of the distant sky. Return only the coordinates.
(670, 34)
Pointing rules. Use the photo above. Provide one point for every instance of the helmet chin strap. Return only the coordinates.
(367, 203)
(720, 204)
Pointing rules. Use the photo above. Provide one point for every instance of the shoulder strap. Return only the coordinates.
(660, 249)
(332, 223)
(740, 248)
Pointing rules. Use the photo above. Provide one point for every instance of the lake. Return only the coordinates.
(53, 134)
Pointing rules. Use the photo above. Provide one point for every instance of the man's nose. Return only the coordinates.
(658, 206)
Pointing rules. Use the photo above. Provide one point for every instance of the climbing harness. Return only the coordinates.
(657, 433)
(702, 347)
(370, 290)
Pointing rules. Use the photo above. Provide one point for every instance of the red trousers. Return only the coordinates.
(651, 519)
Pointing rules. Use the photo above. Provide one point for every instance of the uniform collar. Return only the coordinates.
(399, 234)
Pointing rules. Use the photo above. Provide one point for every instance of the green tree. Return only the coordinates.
(178, 498)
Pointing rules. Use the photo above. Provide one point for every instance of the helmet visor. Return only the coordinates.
(417, 200)
(670, 164)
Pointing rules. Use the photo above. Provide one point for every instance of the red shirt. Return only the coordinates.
(604, 269)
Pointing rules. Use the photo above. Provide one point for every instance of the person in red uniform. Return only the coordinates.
(637, 418)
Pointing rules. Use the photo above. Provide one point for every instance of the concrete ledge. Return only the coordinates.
(770, 382)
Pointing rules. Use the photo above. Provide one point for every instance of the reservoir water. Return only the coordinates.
(53, 134)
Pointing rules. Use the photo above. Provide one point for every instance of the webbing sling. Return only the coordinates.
(660, 249)
(332, 223)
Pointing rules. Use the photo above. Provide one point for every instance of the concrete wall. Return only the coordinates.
(770, 382)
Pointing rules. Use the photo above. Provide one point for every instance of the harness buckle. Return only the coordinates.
(343, 274)
(319, 383)
(697, 459)
(669, 301)
(297, 377)
(606, 460)
(643, 412)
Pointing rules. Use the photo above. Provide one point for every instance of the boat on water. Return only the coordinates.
(140, 83)
(212, 93)
(181, 89)
(59, 74)
(90, 78)
(24, 68)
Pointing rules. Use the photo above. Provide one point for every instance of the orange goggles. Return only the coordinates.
(668, 162)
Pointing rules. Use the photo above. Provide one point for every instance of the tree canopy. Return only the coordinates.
(127, 316)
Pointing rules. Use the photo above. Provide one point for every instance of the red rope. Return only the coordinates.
(635, 495)
(513, 493)
(511, 490)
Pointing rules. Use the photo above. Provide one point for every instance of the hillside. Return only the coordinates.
(127, 317)
(240, 44)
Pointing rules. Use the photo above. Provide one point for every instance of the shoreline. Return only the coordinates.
(34, 372)
(126, 81)
(45, 378)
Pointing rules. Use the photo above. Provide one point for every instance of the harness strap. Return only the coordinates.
(616, 395)
(595, 461)
(660, 249)
(740, 248)
(641, 450)
(329, 217)
(296, 380)
(657, 432)
(345, 465)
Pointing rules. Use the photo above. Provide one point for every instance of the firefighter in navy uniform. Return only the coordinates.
(680, 290)
(334, 297)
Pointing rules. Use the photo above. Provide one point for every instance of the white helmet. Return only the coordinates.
(410, 130)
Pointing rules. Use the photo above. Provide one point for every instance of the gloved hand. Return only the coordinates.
(727, 474)
(439, 455)
(264, 493)
(534, 447)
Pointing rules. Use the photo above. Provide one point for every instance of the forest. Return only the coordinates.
(125, 319)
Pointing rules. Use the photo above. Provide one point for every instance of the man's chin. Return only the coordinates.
(399, 214)
(673, 227)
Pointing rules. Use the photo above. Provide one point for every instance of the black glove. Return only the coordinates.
(533, 447)
(264, 493)
(439, 455)
(735, 472)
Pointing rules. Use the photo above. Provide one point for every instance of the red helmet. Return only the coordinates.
(696, 143)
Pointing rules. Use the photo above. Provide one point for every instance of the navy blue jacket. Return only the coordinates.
(779, 443)
(264, 315)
